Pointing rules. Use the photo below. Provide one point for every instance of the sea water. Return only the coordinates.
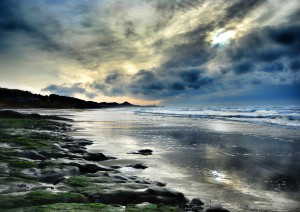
(288, 116)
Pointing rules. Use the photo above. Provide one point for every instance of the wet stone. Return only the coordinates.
(142, 152)
(138, 166)
(197, 201)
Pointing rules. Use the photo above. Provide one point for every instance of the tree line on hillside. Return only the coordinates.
(13, 98)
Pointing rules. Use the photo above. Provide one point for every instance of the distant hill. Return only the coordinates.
(12, 98)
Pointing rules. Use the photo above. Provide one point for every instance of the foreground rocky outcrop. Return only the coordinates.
(43, 169)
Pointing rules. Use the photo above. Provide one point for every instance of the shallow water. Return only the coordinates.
(239, 165)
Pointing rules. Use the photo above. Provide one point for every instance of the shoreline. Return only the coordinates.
(226, 164)
(39, 173)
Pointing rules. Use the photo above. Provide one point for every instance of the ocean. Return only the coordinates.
(288, 116)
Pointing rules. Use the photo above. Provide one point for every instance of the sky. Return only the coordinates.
(167, 52)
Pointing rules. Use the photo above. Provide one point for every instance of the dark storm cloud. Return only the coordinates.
(55, 32)
(177, 86)
(113, 78)
(13, 20)
(240, 9)
(267, 48)
(65, 90)
(146, 83)
(153, 84)
(273, 67)
(194, 53)
(243, 67)
(295, 65)
(113, 89)
(69, 90)
(190, 76)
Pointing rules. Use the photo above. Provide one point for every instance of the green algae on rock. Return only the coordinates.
(95, 207)
(39, 198)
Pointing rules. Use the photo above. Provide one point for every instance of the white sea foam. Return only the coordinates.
(280, 116)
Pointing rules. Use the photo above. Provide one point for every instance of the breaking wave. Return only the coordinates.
(281, 116)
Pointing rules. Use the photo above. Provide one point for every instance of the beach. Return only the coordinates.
(45, 169)
(237, 165)
(150, 105)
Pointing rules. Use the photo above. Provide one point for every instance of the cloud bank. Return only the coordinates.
(150, 50)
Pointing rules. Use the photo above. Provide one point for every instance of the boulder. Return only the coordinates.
(142, 152)
(138, 166)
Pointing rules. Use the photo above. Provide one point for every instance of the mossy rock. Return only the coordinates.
(95, 207)
(150, 208)
(17, 180)
(67, 207)
(77, 181)
(39, 198)
(37, 124)
(101, 185)
(15, 163)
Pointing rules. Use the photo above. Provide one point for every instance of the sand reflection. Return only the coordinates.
(236, 165)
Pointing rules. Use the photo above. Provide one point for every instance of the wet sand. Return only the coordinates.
(239, 166)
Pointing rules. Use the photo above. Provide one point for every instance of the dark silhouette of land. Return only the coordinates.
(13, 98)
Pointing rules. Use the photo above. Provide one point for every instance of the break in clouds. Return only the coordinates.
(151, 49)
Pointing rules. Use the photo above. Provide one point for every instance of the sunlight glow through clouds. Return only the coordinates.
(223, 37)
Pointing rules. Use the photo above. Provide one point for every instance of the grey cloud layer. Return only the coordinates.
(96, 33)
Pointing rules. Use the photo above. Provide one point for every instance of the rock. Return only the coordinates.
(33, 155)
(77, 150)
(58, 175)
(197, 201)
(14, 114)
(138, 166)
(4, 169)
(22, 187)
(70, 145)
(142, 181)
(145, 152)
(194, 205)
(151, 195)
(32, 173)
(142, 152)
(91, 168)
(160, 184)
(57, 154)
(95, 157)
(52, 176)
(83, 142)
(10, 114)
(120, 177)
